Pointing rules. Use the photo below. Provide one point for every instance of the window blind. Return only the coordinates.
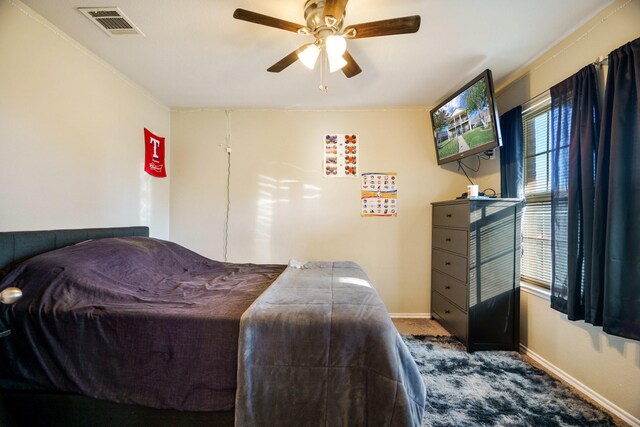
(536, 223)
(535, 265)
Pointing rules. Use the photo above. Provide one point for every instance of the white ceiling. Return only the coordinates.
(196, 55)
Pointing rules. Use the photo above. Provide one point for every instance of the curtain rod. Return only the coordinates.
(536, 101)
(602, 60)
(542, 97)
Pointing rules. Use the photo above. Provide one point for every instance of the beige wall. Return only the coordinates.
(198, 182)
(282, 207)
(608, 30)
(71, 134)
(606, 364)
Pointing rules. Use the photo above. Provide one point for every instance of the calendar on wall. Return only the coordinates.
(379, 194)
(341, 155)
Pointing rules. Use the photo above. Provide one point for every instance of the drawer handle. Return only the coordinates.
(448, 215)
(447, 287)
(448, 239)
(447, 312)
(447, 263)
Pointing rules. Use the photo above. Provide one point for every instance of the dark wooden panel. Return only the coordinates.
(269, 21)
(386, 27)
(451, 240)
(450, 288)
(454, 215)
(454, 265)
(454, 319)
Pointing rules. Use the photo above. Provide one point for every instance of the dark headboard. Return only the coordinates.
(18, 245)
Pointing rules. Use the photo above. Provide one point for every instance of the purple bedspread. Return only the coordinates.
(131, 320)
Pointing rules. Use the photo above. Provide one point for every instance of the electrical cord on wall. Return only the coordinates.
(487, 155)
(478, 158)
(491, 190)
(461, 166)
(225, 240)
(226, 217)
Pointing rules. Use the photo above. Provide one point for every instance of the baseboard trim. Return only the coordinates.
(591, 394)
(410, 315)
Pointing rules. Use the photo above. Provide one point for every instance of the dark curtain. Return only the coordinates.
(595, 196)
(511, 156)
(616, 253)
(575, 119)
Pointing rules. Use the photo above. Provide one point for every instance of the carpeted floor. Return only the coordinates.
(416, 326)
(490, 388)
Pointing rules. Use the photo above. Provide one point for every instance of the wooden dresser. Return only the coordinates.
(475, 271)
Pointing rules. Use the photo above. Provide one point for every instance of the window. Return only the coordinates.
(536, 224)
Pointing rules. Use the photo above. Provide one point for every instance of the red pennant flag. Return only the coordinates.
(154, 154)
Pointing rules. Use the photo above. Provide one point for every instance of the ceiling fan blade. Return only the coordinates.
(287, 60)
(257, 18)
(352, 68)
(334, 8)
(387, 27)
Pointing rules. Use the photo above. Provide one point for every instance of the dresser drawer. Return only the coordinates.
(450, 288)
(450, 240)
(454, 319)
(451, 215)
(451, 264)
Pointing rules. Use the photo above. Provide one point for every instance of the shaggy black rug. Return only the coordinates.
(494, 388)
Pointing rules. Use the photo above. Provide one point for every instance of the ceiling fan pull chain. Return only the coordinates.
(323, 71)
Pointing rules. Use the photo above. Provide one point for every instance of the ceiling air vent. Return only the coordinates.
(111, 20)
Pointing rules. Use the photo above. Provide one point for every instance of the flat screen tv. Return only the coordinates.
(466, 123)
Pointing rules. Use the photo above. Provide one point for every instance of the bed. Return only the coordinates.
(116, 327)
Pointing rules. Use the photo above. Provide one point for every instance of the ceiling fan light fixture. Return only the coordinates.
(336, 46)
(330, 21)
(336, 63)
(324, 21)
(351, 33)
(309, 56)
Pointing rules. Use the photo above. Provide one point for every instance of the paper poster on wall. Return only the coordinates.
(341, 155)
(379, 194)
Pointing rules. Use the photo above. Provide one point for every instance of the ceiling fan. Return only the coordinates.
(325, 19)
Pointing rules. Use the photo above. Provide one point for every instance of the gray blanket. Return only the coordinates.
(318, 349)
